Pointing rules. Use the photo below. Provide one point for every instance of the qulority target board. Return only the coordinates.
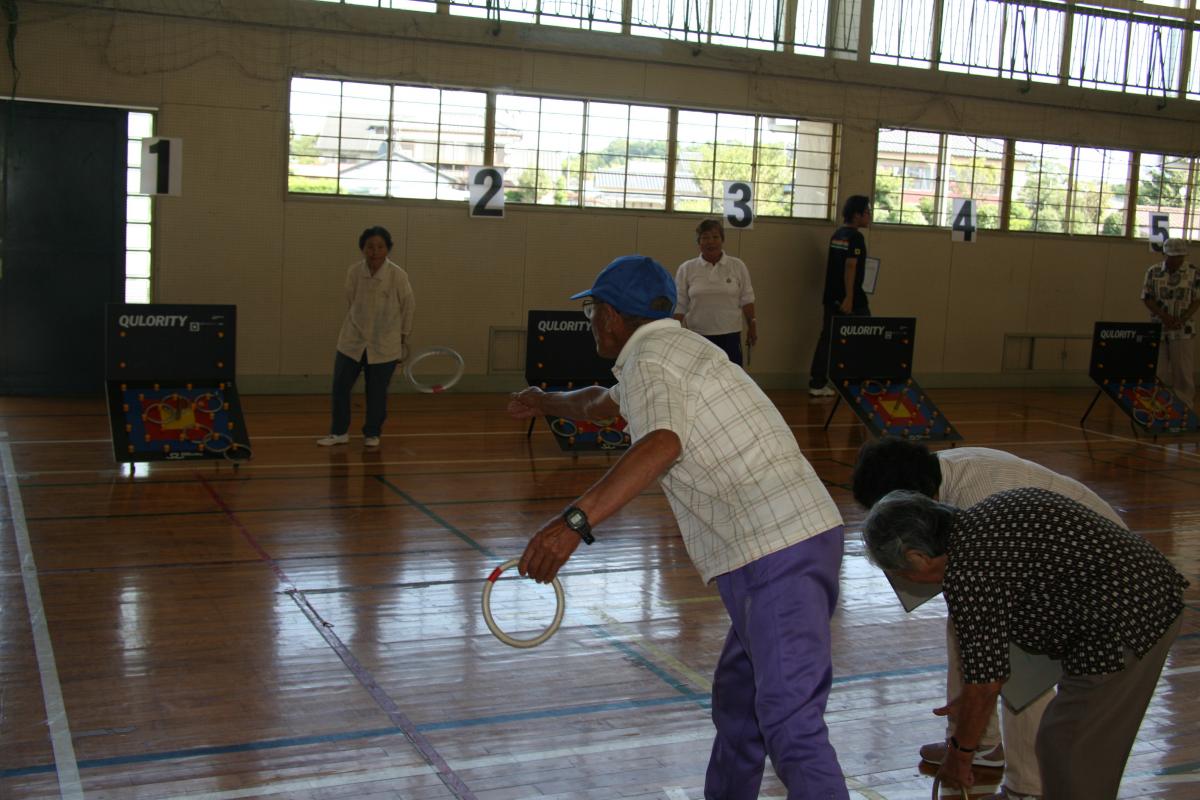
(170, 383)
(560, 355)
(1124, 364)
(870, 365)
(162, 421)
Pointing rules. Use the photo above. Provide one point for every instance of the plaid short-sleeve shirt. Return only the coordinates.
(741, 488)
(1037, 569)
(1174, 292)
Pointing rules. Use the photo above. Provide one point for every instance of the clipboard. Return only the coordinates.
(1030, 675)
(870, 274)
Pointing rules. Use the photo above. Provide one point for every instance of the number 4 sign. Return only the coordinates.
(963, 228)
(1159, 224)
(487, 195)
(162, 166)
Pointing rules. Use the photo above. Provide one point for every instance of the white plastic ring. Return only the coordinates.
(429, 352)
(504, 637)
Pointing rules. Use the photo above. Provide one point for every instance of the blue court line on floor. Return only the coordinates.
(686, 695)
(658, 671)
(424, 509)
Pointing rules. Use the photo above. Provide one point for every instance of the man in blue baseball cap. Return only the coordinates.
(754, 516)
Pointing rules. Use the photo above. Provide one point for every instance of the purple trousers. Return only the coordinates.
(773, 678)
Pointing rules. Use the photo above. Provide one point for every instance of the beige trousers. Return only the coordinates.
(1018, 730)
(1089, 728)
(1175, 368)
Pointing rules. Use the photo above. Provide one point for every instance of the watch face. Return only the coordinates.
(575, 518)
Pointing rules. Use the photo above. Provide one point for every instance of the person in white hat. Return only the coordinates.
(1172, 293)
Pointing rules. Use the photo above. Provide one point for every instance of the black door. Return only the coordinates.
(62, 218)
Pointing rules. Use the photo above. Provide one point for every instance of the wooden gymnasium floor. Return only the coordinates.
(309, 626)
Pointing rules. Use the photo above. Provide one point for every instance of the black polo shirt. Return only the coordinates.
(847, 242)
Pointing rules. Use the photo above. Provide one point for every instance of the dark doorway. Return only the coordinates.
(63, 221)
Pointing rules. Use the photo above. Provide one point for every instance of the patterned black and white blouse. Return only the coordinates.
(1038, 569)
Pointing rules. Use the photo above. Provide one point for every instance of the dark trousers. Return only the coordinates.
(345, 374)
(731, 343)
(818, 373)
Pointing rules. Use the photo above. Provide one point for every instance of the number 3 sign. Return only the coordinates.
(487, 195)
(739, 205)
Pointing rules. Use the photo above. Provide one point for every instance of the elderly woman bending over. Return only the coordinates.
(1034, 568)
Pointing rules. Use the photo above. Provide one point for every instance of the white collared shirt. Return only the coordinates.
(379, 315)
(741, 488)
(711, 296)
(972, 474)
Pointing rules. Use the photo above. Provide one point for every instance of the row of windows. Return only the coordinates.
(380, 140)
(1138, 50)
(1033, 186)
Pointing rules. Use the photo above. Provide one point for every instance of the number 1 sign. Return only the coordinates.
(162, 166)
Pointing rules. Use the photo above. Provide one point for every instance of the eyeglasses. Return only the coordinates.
(589, 308)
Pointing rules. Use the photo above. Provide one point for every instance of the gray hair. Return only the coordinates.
(904, 521)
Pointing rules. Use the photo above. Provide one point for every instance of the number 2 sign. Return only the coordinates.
(487, 191)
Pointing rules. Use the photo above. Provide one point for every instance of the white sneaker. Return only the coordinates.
(371, 441)
(332, 439)
(824, 391)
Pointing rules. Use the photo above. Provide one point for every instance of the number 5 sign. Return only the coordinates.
(487, 195)
(1159, 225)
(739, 204)
(162, 166)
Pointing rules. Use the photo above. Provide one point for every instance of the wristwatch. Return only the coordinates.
(576, 520)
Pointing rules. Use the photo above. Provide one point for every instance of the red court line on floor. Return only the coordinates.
(361, 673)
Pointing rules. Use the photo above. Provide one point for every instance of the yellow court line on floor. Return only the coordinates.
(660, 656)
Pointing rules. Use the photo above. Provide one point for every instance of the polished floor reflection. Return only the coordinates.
(308, 625)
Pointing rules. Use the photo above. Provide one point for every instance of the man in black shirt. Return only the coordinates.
(1039, 570)
(844, 295)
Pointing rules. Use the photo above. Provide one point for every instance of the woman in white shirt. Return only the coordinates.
(714, 293)
(373, 338)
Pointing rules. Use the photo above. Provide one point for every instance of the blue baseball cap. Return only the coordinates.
(632, 285)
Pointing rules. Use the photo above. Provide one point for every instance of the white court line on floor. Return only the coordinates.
(674, 793)
(66, 767)
(540, 431)
(251, 465)
(862, 789)
(484, 762)
(1129, 440)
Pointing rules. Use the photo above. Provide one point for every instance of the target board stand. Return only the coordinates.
(169, 374)
(560, 355)
(870, 365)
(1124, 366)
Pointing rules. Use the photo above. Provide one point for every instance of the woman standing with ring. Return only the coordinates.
(374, 336)
(714, 293)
